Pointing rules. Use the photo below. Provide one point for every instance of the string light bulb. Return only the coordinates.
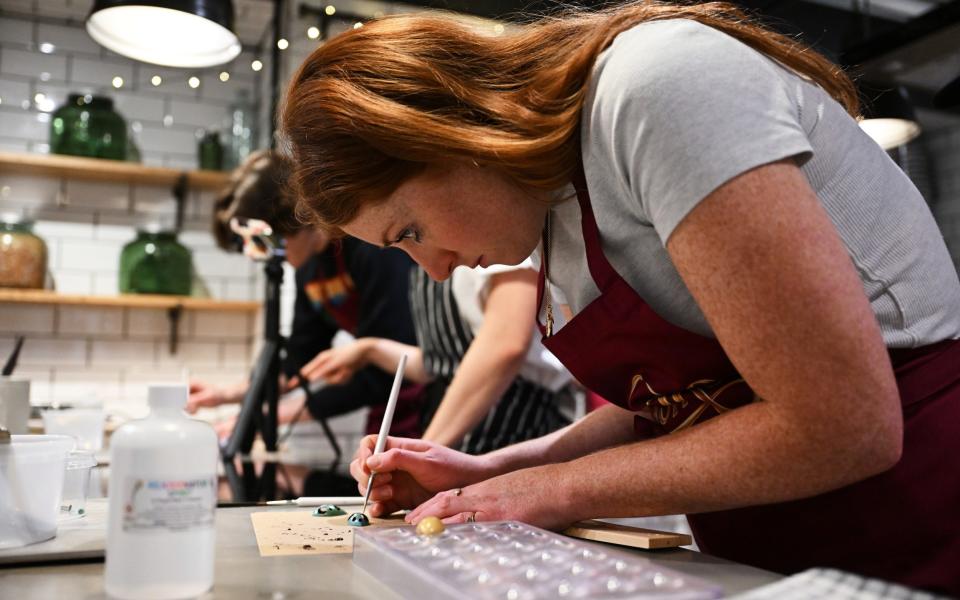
(313, 33)
(256, 65)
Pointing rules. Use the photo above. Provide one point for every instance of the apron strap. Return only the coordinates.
(601, 270)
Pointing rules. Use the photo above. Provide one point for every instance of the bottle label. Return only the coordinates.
(171, 504)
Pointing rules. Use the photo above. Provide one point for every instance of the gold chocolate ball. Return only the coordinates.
(430, 526)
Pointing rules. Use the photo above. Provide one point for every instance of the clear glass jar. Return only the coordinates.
(242, 133)
(155, 263)
(23, 255)
(88, 126)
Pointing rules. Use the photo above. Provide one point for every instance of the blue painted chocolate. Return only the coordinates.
(328, 510)
(358, 520)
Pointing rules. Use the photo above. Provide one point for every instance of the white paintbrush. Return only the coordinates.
(318, 501)
(385, 425)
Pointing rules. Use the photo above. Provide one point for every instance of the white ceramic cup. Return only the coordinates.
(83, 424)
(14, 404)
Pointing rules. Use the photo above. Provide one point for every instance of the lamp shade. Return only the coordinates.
(889, 118)
(174, 33)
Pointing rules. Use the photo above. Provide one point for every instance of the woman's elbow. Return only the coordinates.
(891, 453)
(882, 450)
(513, 355)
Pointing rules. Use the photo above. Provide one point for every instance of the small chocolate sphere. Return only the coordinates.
(430, 526)
(358, 520)
(328, 510)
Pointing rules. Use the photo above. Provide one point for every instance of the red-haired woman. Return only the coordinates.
(757, 287)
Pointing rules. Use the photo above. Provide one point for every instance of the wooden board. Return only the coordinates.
(624, 535)
(297, 532)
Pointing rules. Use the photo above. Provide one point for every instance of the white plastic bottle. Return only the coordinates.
(162, 497)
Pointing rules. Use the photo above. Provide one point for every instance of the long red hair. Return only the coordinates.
(375, 105)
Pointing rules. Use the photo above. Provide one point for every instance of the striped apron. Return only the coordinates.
(525, 411)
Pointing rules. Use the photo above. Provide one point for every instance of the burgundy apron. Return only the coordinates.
(345, 310)
(902, 525)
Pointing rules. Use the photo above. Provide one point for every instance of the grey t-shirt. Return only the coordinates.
(675, 109)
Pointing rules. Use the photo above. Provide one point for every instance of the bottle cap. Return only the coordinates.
(167, 396)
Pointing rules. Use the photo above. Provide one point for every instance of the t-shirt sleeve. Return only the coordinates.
(471, 287)
(681, 108)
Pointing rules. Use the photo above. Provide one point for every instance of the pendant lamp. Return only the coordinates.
(173, 33)
(889, 118)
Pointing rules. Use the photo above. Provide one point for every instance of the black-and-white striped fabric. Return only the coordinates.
(525, 411)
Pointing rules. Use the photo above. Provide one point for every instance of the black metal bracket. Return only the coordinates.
(180, 195)
(174, 314)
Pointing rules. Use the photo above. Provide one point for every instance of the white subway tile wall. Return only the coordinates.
(77, 354)
(42, 62)
(84, 355)
(107, 355)
(15, 31)
(27, 63)
(70, 39)
(14, 93)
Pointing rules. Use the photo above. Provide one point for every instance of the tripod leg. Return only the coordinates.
(332, 438)
(251, 413)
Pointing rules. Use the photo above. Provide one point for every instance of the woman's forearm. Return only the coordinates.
(606, 427)
(754, 455)
(386, 353)
(291, 409)
(475, 390)
(492, 361)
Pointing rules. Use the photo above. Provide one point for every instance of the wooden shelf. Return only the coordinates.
(96, 169)
(125, 301)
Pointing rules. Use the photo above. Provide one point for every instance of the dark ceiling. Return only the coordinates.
(911, 42)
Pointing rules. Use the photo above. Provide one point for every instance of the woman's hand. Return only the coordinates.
(337, 365)
(533, 496)
(225, 428)
(206, 395)
(410, 471)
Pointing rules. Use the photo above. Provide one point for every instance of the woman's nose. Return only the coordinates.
(437, 264)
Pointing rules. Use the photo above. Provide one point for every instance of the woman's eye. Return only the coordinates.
(408, 233)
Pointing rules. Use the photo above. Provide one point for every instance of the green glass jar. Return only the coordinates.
(210, 152)
(88, 126)
(23, 255)
(155, 263)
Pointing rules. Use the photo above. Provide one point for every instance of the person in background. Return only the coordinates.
(344, 285)
(754, 283)
(489, 382)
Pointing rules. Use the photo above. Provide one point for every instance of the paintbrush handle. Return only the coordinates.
(366, 496)
(385, 424)
(391, 406)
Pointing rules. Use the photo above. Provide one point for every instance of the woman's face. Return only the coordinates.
(304, 244)
(454, 215)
